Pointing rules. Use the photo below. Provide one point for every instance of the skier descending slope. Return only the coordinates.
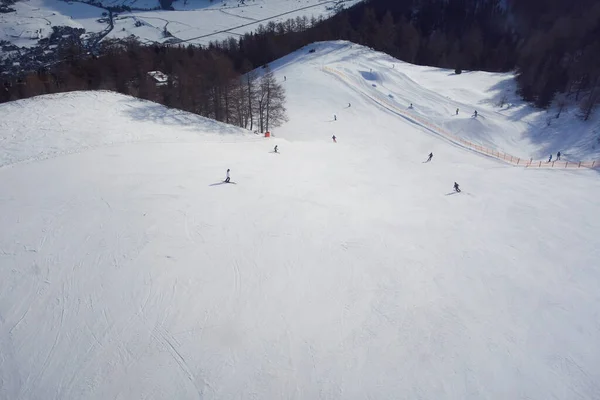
(275, 149)
(227, 178)
(333, 137)
(430, 157)
(456, 188)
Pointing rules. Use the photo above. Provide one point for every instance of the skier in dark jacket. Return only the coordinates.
(227, 178)
(275, 149)
(333, 137)
(430, 157)
(558, 156)
(456, 188)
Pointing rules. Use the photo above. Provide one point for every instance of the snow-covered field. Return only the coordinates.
(200, 22)
(345, 270)
(33, 20)
(193, 21)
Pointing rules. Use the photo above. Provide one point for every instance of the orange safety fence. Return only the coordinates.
(505, 157)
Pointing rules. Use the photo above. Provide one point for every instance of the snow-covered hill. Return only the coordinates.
(435, 94)
(345, 270)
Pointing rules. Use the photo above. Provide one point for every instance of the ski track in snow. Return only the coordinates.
(340, 271)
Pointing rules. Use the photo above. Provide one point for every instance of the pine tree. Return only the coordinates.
(384, 35)
(367, 28)
(408, 41)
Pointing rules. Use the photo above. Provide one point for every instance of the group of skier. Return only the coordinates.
(557, 157)
(276, 150)
(475, 114)
(456, 187)
(228, 173)
(429, 157)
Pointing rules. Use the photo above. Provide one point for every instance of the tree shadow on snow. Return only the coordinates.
(576, 139)
(541, 127)
(544, 130)
(503, 91)
(157, 113)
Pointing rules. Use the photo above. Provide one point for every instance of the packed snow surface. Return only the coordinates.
(345, 270)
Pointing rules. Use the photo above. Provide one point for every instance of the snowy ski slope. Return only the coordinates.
(436, 94)
(345, 270)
